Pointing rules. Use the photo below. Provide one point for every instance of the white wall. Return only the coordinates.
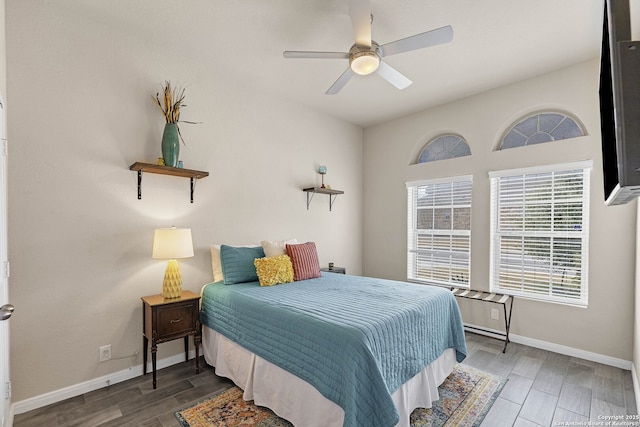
(606, 326)
(80, 241)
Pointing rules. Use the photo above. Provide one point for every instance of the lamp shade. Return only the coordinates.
(172, 243)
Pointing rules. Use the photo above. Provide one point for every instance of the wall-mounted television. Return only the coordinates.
(620, 105)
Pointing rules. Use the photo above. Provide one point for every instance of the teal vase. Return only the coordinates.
(170, 145)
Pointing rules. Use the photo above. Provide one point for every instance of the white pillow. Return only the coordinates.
(216, 265)
(276, 247)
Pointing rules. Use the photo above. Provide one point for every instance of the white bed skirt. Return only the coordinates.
(298, 401)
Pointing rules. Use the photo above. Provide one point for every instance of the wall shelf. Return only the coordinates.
(319, 190)
(166, 170)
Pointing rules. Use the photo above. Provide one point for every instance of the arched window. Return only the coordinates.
(444, 147)
(541, 127)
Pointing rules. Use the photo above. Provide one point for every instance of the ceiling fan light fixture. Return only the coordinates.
(364, 62)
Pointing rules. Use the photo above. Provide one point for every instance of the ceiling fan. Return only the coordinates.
(365, 56)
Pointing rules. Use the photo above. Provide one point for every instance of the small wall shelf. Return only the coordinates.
(313, 190)
(166, 170)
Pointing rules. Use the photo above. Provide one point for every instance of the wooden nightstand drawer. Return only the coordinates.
(176, 319)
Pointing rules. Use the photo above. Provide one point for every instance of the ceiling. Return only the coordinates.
(495, 42)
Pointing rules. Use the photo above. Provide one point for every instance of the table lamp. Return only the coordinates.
(322, 170)
(172, 243)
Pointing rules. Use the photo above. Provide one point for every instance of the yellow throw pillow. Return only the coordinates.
(274, 270)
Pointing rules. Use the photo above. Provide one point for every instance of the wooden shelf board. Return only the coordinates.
(322, 190)
(168, 170)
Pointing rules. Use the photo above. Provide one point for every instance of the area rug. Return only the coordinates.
(465, 398)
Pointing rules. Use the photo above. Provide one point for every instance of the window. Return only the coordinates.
(444, 147)
(540, 232)
(439, 231)
(539, 128)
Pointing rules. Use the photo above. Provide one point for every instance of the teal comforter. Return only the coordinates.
(355, 339)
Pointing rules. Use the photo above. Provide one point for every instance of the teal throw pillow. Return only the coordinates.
(237, 263)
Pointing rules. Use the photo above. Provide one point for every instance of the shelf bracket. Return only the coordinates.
(311, 191)
(140, 184)
(166, 170)
(310, 195)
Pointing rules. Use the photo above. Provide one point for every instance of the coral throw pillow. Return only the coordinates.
(304, 258)
(274, 270)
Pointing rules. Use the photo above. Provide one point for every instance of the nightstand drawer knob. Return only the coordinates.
(175, 320)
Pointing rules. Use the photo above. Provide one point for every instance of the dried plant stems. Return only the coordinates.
(171, 102)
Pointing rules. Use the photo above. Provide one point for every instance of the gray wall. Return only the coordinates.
(390, 150)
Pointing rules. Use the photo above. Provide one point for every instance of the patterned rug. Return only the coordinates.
(465, 398)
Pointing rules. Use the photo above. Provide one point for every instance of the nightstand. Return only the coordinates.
(165, 319)
(340, 270)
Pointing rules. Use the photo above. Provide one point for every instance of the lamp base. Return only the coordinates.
(172, 284)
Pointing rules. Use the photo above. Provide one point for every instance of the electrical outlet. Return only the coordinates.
(495, 314)
(105, 352)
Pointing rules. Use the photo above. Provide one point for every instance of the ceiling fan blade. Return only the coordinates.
(339, 84)
(419, 41)
(361, 20)
(309, 54)
(392, 75)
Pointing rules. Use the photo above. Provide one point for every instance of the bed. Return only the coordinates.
(334, 350)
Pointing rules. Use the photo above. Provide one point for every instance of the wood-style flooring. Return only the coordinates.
(543, 388)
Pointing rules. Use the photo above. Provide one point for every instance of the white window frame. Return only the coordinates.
(530, 272)
(457, 252)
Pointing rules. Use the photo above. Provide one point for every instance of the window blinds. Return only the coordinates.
(540, 232)
(439, 231)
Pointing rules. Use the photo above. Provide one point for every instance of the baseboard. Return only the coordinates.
(563, 349)
(136, 371)
(91, 385)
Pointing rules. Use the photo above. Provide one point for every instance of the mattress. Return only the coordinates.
(356, 340)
